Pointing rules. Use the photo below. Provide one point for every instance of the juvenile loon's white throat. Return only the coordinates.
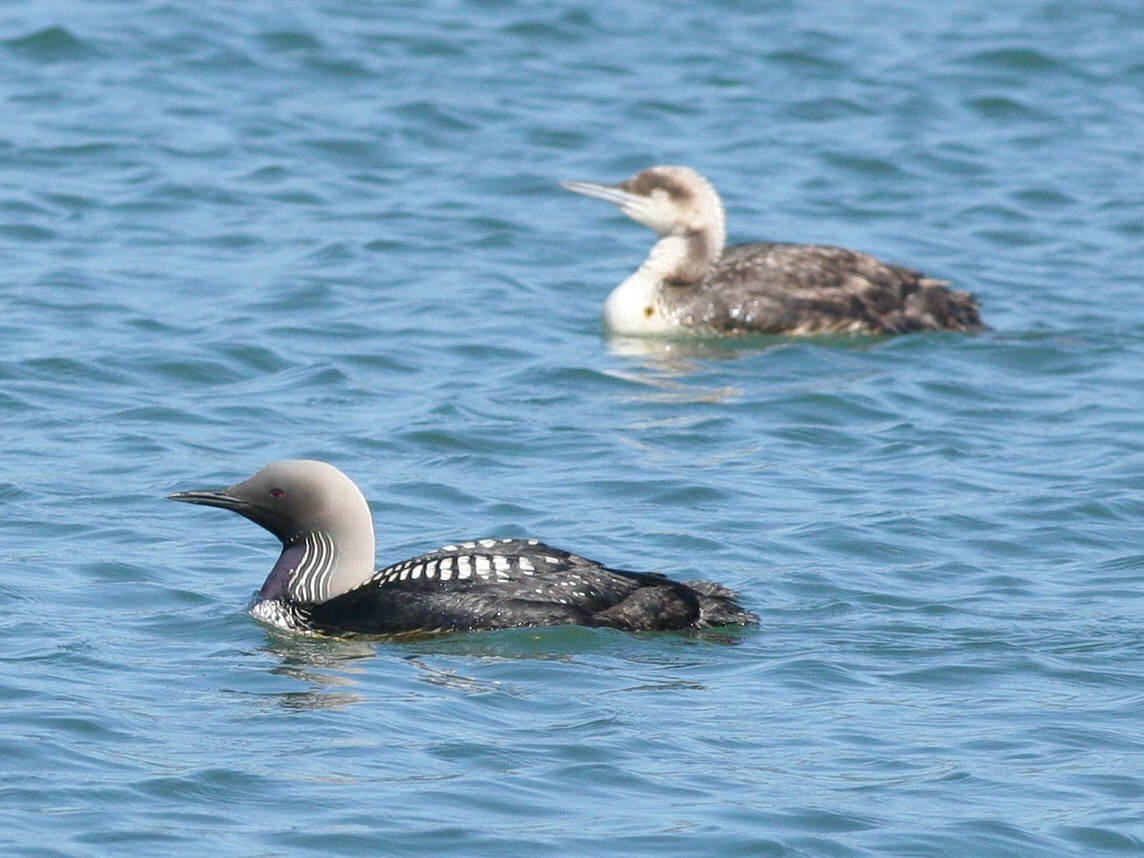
(324, 581)
(692, 282)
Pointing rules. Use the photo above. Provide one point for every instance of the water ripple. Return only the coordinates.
(237, 234)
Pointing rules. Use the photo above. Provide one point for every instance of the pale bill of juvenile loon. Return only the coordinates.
(325, 581)
(691, 282)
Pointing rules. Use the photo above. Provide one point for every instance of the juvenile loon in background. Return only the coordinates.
(691, 282)
(324, 581)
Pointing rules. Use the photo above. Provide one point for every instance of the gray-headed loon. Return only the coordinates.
(325, 581)
(691, 282)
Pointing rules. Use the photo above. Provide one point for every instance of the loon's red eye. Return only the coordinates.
(277, 493)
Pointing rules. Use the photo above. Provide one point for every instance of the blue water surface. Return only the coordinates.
(231, 233)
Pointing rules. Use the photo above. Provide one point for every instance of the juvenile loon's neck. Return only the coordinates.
(643, 303)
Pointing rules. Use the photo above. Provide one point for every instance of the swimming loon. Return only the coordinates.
(324, 581)
(691, 282)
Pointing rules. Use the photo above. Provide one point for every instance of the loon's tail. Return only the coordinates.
(719, 605)
(936, 307)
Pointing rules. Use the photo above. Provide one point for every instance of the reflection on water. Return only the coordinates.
(325, 666)
(666, 366)
(314, 651)
(677, 355)
(670, 366)
(451, 678)
(311, 700)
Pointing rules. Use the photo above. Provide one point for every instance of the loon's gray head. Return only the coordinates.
(669, 200)
(318, 513)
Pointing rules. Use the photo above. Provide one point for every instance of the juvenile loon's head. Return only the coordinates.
(669, 200)
(318, 513)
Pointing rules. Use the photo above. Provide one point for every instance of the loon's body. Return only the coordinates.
(324, 581)
(692, 282)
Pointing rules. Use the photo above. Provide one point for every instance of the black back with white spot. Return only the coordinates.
(513, 582)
